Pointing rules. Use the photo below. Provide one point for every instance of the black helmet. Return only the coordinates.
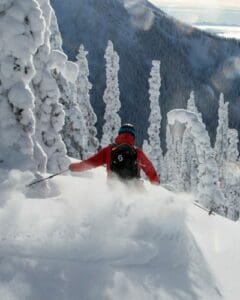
(127, 128)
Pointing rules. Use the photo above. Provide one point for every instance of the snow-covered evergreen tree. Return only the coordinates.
(207, 190)
(74, 128)
(146, 147)
(83, 99)
(189, 163)
(168, 155)
(233, 140)
(232, 190)
(155, 118)
(172, 159)
(55, 37)
(231, 182)
(49, 112)
(74, 131)
(111, 97)
(191, 105)
(221, 144)
(147, 150)
(22, 27)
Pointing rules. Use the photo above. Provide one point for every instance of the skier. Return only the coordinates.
(122, 159)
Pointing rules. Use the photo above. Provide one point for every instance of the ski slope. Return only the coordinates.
(90, 240)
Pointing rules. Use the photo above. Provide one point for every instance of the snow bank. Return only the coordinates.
(95, 241)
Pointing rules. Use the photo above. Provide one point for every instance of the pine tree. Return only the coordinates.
(83, 99)
(155, 117)
(146, 147)
(232, 194)
(111, 97)
(191, 105)
(232, 151)
(170, 158)
(55, 37)
(20, 39)
(221, 144)
(173, 157)
(189, 163)
(74, 128)
(207, 191)
(49, 112)
(147, 150)
(74, 132)
(231, 177)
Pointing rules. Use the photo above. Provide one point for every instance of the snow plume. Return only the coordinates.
(97, 242)
(142, 17)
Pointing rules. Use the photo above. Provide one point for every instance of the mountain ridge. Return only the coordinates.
(190, 59)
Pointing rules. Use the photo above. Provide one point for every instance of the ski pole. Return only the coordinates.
(47, 178)
(209, 211)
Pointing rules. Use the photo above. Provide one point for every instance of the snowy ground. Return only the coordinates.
(93, 241)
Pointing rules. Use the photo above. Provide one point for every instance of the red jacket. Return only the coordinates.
(103, 157)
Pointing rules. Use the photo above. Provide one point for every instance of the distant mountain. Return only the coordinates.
(213, 16)
(190, 59)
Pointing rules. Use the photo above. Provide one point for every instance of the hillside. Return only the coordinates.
(90, 242)
(191, 59)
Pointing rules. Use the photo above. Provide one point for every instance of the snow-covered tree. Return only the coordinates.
(172, 159)
(189, 163)
(155, 117)
(221, 144)
(207, 191)
(74, 131)
(49, 112)
(233, 196)
(231, 183)
(22, 27)
(146, 147)
(55, 36)
(232, 190)
(111, 97)
(232, 151)
(169, 158)
(83, 99)
(191, 105)
(74, 128)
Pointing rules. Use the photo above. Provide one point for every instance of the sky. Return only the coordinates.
(230, 4)
(216, 12)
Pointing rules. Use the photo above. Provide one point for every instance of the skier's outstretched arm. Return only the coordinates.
(94, 161)
(148, 168)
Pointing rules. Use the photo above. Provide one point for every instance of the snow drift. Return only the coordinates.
(95, 241)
